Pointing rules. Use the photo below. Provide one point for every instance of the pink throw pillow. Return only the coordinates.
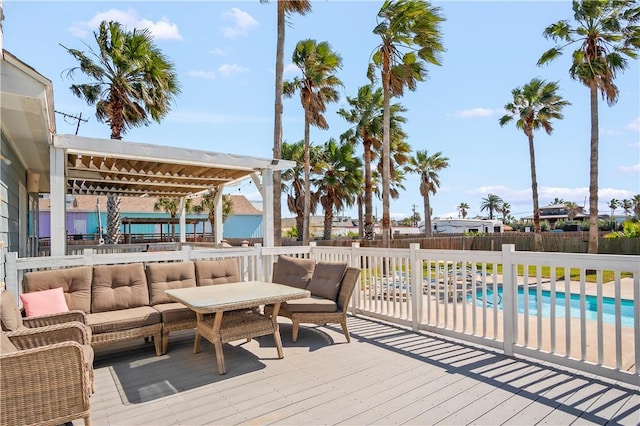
(44, 302)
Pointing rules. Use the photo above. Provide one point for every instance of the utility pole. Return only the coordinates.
(73, 117)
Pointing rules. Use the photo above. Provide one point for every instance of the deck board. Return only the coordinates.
(387, 374)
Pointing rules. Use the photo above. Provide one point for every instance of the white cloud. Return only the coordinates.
(291, 68)
(218, 51)
(634, 125)
(206, 75)
(635, 169)
(242, 23)
(612, 132)
(161, 30)
(475, 112)
(227, 70)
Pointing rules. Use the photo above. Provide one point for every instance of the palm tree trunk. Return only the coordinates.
(307, 181)
(368, 196)
(328, 221)
(277, 128)
(593, 171)
(360, 219)
(386, 163)
(427, 215)
(537, 238)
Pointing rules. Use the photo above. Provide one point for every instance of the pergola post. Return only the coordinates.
(267, 208)
(58, 224)
(183, 220)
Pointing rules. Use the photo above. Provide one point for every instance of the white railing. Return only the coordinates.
(484, 297)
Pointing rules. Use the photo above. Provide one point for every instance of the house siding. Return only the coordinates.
(12, 213)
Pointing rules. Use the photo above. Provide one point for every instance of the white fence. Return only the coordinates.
(538, 305)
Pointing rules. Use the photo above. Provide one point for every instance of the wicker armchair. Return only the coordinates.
(46, 375)
(308, 310)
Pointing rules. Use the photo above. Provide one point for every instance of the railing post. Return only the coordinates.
(312, 252)
(416, 287)
(11, 271)
(260, 263)
(355, 262)
(186, 253)
(509, 299)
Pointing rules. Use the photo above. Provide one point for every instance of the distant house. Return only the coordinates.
(554, 212)
(85, 214)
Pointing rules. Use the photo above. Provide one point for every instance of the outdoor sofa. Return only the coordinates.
(127, 301)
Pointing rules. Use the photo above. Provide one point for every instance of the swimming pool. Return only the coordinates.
(608, 305)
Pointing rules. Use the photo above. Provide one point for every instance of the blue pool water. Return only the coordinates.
(608, 305)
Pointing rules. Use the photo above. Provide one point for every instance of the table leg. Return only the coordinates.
(196, 342)
(276, 329)
(217, 341)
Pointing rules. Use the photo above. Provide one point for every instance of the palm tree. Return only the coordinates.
(428, 166)
(317, 86)
(533, 107)
(131, 84)
(208, 204)
(410, 37)
(607, 33)
(491, 203)
(572, 209)
(171, 206)
(463, 208)
(558, 201)
(613, 205)
(339, 181)
(627, 206)
(636, 205)
(284, 9)
(505, 210)
(296, 189)
(367, 115)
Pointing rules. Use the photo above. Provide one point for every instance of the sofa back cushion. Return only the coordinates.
(167, 276)
(10, 316)
(118, 287)
(209, 272)
(326, 279)
(293, 271)
(75, 283)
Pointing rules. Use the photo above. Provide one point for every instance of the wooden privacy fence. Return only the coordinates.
(566, 242)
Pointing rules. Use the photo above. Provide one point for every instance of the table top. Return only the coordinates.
(240, 295)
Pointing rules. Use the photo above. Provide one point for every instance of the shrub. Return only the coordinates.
(631, 229)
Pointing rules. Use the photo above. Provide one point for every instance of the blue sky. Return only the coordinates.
(224, 53)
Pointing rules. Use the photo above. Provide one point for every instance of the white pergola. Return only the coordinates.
(69, 164)
(80, 165)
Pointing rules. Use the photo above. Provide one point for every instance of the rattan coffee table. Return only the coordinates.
(224, 313)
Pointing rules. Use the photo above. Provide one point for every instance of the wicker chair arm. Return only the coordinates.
(44, 320)
(46, 385)
(27, 338)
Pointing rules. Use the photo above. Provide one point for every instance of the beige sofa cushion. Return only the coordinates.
(310, 304)
(326, 279)
(123, 319)
(167, 276)
(10, 316)
(75, 283)
(222, 271)
(118, 287)
(293, 271)
(174, 311)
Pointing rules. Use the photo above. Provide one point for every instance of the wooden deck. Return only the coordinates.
(386, 375)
